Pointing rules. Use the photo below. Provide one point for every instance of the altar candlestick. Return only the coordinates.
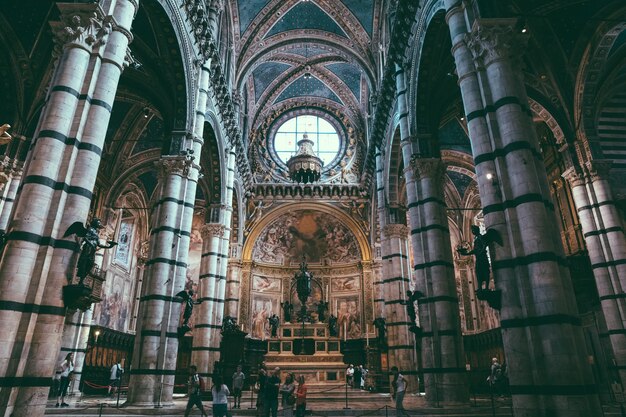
(345, 331)
(367, 336)
(242, 327)
(327, 295)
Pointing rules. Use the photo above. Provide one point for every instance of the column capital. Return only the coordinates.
(573, 177)
(598, 169)
(396, 230)
(173, 165)
(81, 25)
(427, 167)
(494, 40)
(210, 230)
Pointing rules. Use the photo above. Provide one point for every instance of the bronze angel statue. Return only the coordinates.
(89, 245)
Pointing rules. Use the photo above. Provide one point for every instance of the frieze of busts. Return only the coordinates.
(494, 40)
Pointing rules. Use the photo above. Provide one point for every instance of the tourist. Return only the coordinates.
(399, 385)
(363, 376)
(288, 398)
(115, 378)
(270, 393)
(350, 375)
(260, 389)
(220, 394)
(356, 380)
(195, 386)
(301, 397)
(65, 368)
(238, 379)
(495, 377)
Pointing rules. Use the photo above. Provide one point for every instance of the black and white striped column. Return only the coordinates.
(226, 216)
(545, 351)
(156, 343)
(443, 358)
(204, 320)
(379, 285)
(604, 237)
(233, 287)
(442, 354)
(9, 192)
(56, 191)
(400, 340)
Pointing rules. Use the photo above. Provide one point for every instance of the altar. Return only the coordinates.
(312, 353)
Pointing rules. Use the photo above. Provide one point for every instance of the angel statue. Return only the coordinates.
(88, 247)
(481, 244)
(187, 296)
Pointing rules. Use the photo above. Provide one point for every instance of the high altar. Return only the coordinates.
(338, 258)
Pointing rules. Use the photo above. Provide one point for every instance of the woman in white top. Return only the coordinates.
(220, 397)
(65, 368)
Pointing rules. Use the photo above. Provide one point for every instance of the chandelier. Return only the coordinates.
(305, 166)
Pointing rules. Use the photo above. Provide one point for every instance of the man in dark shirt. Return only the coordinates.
(271, 393)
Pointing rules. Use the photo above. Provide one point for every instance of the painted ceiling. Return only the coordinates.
(281, 40)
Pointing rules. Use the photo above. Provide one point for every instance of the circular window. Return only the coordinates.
(321, 132)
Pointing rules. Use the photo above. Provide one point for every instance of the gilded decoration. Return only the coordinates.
(306, 232)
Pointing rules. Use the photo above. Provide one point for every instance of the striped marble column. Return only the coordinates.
(604, 237)
(379, 287)
(442, 353)
(233, 286)
(545, 351)
(9, 192)
(400, 340)
(226, 216)
(75, 336)
(156, 343)
(443, 357)
(204, 323)
(36, 262)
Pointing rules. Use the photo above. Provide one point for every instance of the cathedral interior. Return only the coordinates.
(425, 184)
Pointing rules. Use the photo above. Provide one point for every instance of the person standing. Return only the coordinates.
(270, 393)
(238, 379)
(65, 368)
(399, 388)
(195, 391)
(301, 397)
(356, 383)
(350, 375)
(115, 379)
(288, 399)
(260, 388)
(495, 376)
(220, 397)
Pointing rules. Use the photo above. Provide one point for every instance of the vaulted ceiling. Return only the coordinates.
(277, 42)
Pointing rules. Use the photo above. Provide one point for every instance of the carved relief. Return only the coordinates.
(493, 40)
(173, 166)
(210, 230)
(428, 168)
(83, 26)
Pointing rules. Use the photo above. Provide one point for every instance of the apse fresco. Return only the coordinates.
(319, 236)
